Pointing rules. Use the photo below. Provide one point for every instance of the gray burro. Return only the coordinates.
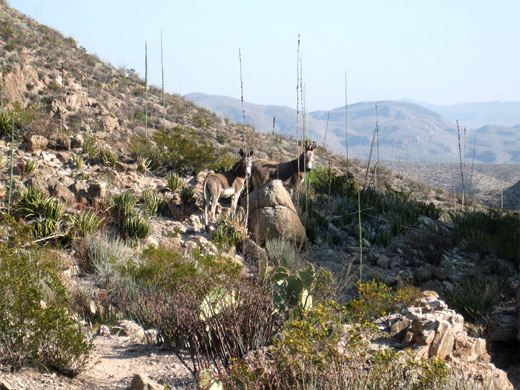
(432, 330)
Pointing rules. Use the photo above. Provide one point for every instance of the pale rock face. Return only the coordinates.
(272, 214)
(431, 330)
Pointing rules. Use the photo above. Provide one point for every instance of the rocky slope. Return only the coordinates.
(63, 97)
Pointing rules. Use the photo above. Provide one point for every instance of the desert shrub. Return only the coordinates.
(98, 251)
(229, 232)
(91, 148)
(174, 182)
(123, 205)
(30, 167)
(319, 352)
(108, 157)
(87, 222)
(143, 164)
(377, 300)
(494, 231)
(150, 203)
(312, 218)
(36, 327)
(77, 161)
(187, 195)
(281, 252)
(428, 246)
(44, 215)
(325, 181)
(475, 296)
(179, 149)
(201, 304)
(8, 121)
(135, 226)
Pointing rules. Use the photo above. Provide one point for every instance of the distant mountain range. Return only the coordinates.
(407, 131)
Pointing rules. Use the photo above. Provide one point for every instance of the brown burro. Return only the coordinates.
(291, 173)
(225, 185)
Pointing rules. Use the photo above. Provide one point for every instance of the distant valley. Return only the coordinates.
(407, 131)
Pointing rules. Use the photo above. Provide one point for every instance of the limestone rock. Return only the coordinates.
(128, 328)
(77, 141)
(431, 330)
(502, 325)
(143, 383)
(59, 141)
(35, 143)
(96, 191)
(61, 192)
(272, 214)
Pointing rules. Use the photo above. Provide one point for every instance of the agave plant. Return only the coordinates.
(151, 202)
(174, 182)
(124, 205)
(29, 200)
(143, 164)
(87, 222)
(135, 226)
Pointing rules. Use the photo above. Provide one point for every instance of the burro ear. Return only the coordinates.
(313, 145)
(241, 152)
(250, 152)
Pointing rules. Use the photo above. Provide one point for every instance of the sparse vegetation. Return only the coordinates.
(291, 317)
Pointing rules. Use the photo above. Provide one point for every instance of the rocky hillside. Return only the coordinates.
(100, 190)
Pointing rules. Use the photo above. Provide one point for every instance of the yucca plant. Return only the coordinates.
(108, 157)
(135, 226)
(29, 200)
(150, 201)
(188, 196)
(77, 161)
(30, 167)
(174, 182)
(87, 222)
(51, 208)
(124, 205)
(143, 164)
(90, 148)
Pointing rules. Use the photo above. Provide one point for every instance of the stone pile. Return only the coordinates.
(431, 330)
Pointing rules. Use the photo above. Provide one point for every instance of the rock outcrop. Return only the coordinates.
(272, 214)
(432, 330)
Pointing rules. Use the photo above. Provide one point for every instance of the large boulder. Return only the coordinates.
(272, 214)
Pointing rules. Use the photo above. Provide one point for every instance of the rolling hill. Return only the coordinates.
(406, 131)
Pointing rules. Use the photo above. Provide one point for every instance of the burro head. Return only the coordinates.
(247, 160)
(309, 154)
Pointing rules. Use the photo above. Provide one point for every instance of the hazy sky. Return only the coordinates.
(433, 51)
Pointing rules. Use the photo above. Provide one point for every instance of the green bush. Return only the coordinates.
(87, 222)
(108, 157)
(44, 215)
(188, 198)
(324, 181)
(474, 297)
(180, 149)
(317, 352)
(150, 203)
(36, 327)
(201, 304)
(135, 226)
(494, 231)
(174, 182)
(123, 205)
(282, 253)
(229, 233)
(378, 300)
